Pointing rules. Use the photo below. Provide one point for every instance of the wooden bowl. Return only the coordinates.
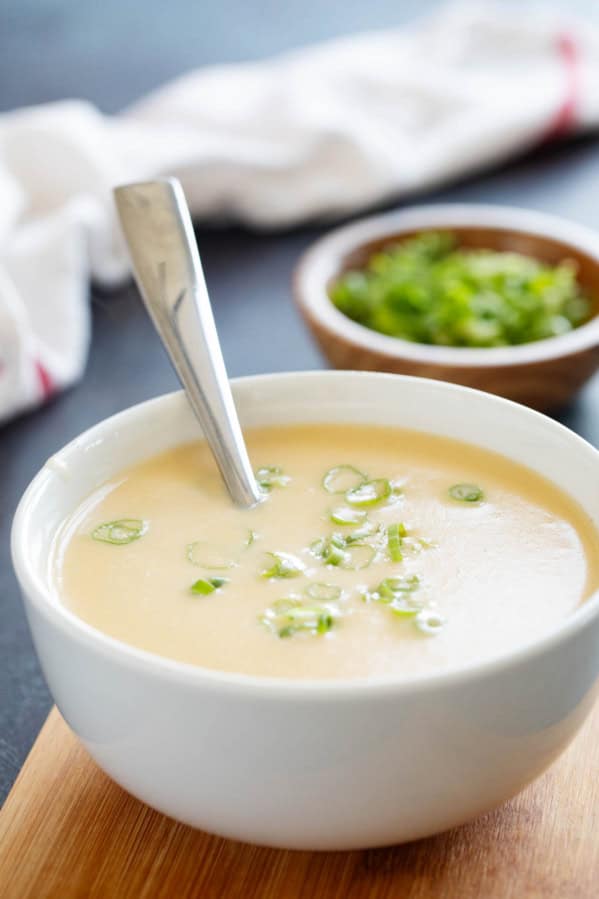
(544, 374)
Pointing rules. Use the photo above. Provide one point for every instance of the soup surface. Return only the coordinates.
(376, 552)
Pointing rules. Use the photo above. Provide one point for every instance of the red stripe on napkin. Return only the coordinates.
(564, 120)
(45, 381)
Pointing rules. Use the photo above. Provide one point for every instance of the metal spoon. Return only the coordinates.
(157, 227)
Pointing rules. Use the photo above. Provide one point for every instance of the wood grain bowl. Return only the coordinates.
(544, 375)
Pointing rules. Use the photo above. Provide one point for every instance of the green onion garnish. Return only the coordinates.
(429, 622)
(346, 516)
(251, 537)
(369, 493)
(405, 606)
(330, 550)
(361, 555)
(395, 535)
(342, 478)
(324, 592)
(343, 552)
(284, 565)
(121, 531)
(365, 533)
(466, 493)
(430, 290)
(201, 554)
(290, 616)
(270, 476)
(205, 586)
(392, 586)
(398, 594)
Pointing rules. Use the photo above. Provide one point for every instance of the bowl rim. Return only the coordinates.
(39, 594)
(319, 263)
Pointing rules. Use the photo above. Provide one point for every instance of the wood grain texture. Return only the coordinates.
(545, 385)
(68, 832)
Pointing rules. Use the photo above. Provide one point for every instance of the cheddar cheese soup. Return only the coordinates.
(375, 552)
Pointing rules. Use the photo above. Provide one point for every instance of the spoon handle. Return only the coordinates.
(159, 234)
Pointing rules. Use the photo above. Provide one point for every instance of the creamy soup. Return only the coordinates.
(376, 552)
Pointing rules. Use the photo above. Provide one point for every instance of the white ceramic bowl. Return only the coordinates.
(320, 765)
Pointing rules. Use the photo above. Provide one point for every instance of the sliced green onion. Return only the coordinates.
(312, 621)
(395, 535)
(405, 607)
(290, 616)
(342, 478)
(430, 290)
(369, 493)
(269, 476)
(343, 553)
(203, 587)
(391, 587)
(219, 581)
(206, 586)
(284, 565)
(429, 622)
(324, 592)
(121, 531)
(360, 556)
(201, 554)
(346, 516)
(367, 531)
(251, 537)
(397, 593)
(466, 493)
(330, 550)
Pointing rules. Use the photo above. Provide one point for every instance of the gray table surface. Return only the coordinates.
(111, 53)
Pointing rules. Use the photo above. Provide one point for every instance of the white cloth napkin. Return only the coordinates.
(317, 132)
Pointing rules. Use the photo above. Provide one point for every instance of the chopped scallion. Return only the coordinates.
(398, 594)
(391, 587)
(429, 622)
(121, 531)
(361, 555)
(290, 616)
(405, 606)
(284, 565)
(206, 586)
(466, 493)
(342, 478)
(346, 516)
(269, 476)
(343, 552)
(368, 532)
(431, 290)
(330, 550)
(395, 535)
(369, 493)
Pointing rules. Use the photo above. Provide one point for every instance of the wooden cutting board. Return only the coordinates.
(67, 831)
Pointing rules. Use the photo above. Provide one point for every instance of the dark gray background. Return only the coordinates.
(110, 52)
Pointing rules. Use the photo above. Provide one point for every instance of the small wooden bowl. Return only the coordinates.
(544, 374)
